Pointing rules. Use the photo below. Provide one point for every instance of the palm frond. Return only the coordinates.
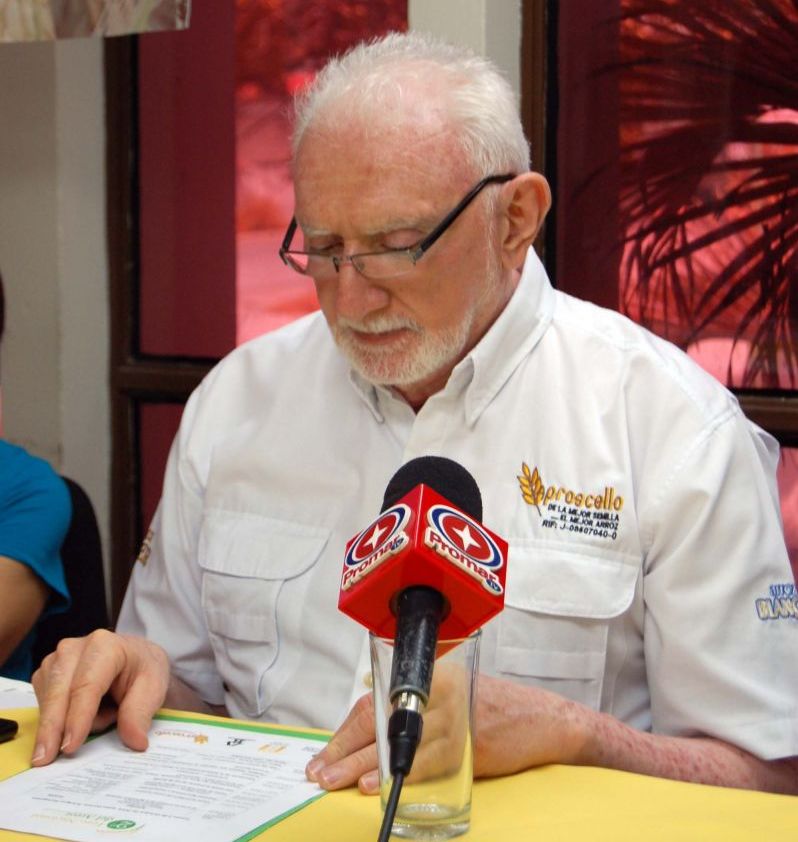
(709, 174)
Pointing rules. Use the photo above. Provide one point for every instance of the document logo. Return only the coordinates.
(273, 748)
(200, 739)
(121, 824)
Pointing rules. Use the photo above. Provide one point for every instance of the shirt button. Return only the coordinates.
(367, 682)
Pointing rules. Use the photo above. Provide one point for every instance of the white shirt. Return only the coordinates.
(638, 586)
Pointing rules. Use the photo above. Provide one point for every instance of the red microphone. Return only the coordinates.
(424, 566)
(427, 534)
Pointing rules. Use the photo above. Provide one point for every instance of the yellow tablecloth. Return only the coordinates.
(552, 804)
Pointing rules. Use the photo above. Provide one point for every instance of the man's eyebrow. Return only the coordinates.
(401, 224)
(310, 231)
(406, 223)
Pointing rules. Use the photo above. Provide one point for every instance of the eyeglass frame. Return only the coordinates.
(415, 253)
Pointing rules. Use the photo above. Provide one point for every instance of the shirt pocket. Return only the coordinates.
(558, 608)
(246, 559)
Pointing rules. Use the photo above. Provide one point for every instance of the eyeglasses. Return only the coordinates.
(377, 265)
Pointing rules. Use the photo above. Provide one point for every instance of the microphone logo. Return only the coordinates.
(381, 539)
(462, 541)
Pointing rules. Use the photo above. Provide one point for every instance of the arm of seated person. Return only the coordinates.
(520, 727)
(90, 682)
(23, 596)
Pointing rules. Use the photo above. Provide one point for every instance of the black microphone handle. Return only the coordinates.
(419, 610)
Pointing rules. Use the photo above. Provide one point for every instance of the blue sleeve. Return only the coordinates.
(35, 511)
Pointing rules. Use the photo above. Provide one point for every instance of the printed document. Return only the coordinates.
(16, 694)
(199, 780)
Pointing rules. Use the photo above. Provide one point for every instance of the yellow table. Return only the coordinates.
(551, 804)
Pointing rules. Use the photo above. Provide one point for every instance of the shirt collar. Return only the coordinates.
(510, 338)
(487, 367)
(367, 392)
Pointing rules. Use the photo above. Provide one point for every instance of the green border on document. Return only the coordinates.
(247, 726)
(258, 830)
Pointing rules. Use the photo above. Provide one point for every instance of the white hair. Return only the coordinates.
(376, 80)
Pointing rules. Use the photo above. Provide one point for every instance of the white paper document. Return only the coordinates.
(16, 694)
(199, 780)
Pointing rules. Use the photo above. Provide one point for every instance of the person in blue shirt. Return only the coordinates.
(35, 511)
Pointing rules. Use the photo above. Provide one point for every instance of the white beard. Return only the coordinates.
(411, 359)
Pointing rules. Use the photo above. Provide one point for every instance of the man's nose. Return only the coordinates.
(356, 295)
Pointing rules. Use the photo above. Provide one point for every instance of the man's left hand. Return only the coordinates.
(517, 727)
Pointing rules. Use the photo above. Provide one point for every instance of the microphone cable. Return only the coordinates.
(404, 735)
(390, 807)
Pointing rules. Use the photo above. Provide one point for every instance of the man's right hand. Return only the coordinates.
(90, 682)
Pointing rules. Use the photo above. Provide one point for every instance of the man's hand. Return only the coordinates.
(90, 682)
(351, 755)
(517, 727)
(520, 727)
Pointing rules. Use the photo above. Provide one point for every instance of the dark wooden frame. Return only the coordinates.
(777, 413)
(134, 377)
(539, 98)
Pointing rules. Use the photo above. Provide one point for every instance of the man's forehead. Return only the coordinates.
(368, 211)
(390, 181)
(374, 145)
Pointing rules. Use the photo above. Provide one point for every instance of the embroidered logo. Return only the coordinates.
(563, 508)
(146, 548)
(532, 489)
(782, 604)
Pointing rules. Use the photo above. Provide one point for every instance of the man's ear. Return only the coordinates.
(526, 200)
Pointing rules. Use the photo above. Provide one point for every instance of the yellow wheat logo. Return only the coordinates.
(535, 493)
(532, 488)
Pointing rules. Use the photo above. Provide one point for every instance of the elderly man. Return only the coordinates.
(632, 642)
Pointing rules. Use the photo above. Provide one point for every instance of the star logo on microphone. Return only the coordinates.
(374, 539)
(381, 539)
(466, 539)
(378, 533)
(462, 541)
(465, 534)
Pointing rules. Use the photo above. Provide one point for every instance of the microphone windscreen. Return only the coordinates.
(445, 476)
